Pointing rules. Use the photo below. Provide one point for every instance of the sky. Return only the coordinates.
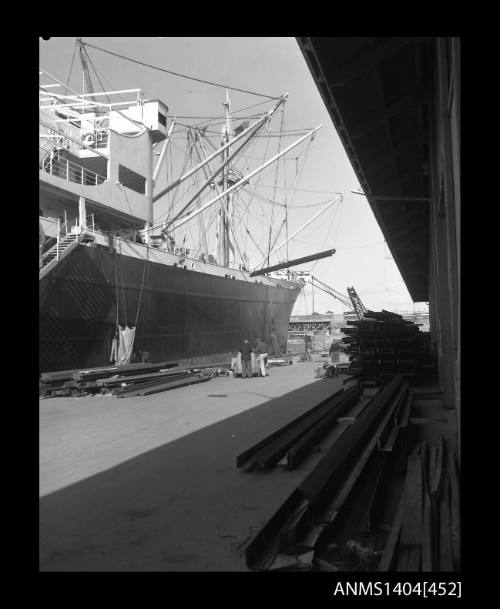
(320, 168)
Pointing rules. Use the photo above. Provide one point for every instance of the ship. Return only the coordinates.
(109, 265)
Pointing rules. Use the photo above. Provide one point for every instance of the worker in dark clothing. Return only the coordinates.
(262, 354)
(307, 345)
(246, 359)
(335, 354)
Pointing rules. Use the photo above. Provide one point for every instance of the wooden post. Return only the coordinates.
(82, 213)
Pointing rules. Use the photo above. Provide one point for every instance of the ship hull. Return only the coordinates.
(180, 315)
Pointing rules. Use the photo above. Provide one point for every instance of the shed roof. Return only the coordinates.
(377, 93)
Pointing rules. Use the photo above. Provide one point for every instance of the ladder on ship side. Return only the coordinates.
(56, 253)
(66, 242)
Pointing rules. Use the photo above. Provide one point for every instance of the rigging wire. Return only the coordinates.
(275, 184)
(322, 192)
(341, 209)
(355, 247)
(117, 290)
(207, 82)
(107, 81)
(123, 293)
(95, 71)
(219, 120)
(260, 174)
(71, 66)
(328, 231)
(237, 112)
(176, 191)
(146, 263)
(297, 206)
(286, 206)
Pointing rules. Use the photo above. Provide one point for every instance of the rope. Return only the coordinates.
(328, 231)
(206, 82)
(235, 112)
(124, 192)
(286, 207)
(321, 192)
(123, 294)
(116, 285)
(275, 184)
(270, 201)
(71, 66)
(95, 71)
(176, 190)
(142, 286)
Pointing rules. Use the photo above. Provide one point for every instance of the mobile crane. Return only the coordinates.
(352, 301)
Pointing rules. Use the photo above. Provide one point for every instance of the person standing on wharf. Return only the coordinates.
(261, 351)
(246, 359)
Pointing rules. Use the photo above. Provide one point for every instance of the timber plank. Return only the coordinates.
(445, 549)
(411, 531)
(455, 508)
(391, 544)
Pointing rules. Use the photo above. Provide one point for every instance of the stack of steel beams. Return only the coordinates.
(357, 462)
(123, 381)
(295, 440)
(83, 381)
(382, 345)
(367, 505)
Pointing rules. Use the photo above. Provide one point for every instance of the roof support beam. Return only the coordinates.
(411, 249)
(408, 103)
(400, 178)
(367, 60)
(399, 198)
(399, 231)
(390, 153)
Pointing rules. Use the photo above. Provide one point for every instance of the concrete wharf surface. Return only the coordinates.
(150, 483)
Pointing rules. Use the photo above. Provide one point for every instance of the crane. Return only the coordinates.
(352, 301)
(332, 292)
(357, 305)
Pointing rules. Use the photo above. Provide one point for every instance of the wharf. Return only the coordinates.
(151, 484)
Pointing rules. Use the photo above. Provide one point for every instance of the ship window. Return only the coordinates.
(131, 179)
(162, 119)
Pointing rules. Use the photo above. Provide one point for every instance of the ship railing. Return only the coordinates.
(71, 172)
(102, 139)
(67, 132)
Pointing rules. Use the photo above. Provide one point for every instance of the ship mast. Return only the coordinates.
(86, 72)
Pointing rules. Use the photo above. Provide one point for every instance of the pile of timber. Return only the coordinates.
(425, 533)
(122, 381)
(382, 345)
(351, 475)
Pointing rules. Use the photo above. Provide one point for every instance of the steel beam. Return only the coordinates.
(285, 265)
(242, 458)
